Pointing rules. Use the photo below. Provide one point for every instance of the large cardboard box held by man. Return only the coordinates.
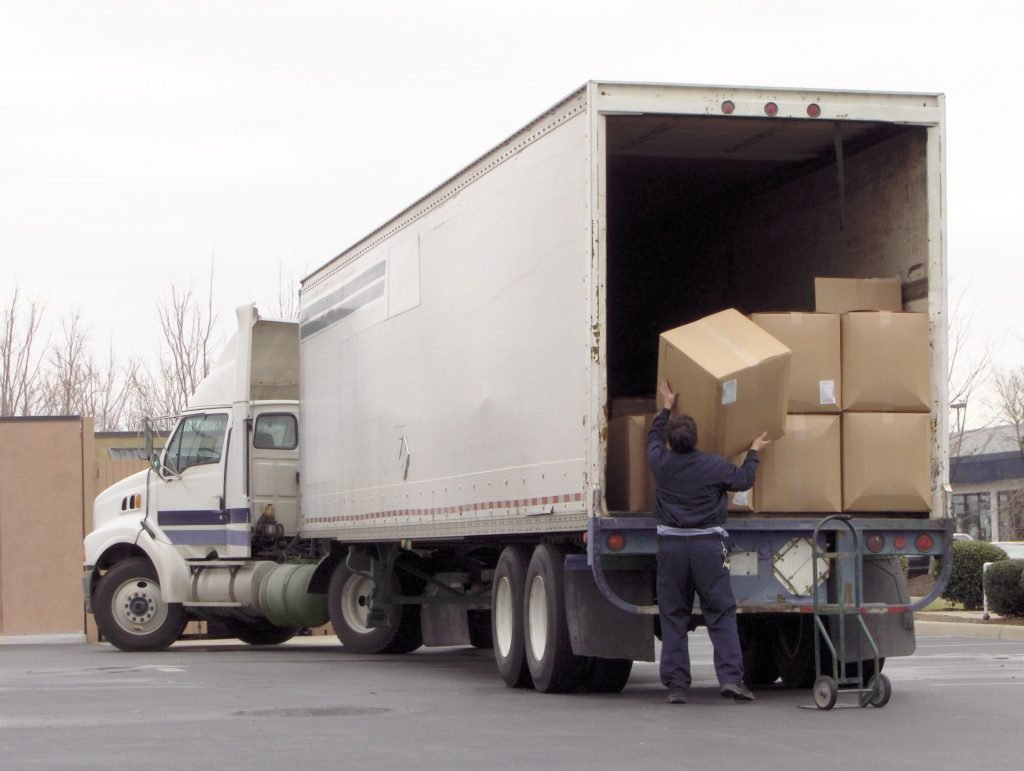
(886, 360)
(732, 377)
(886, 461)
(815, 381)
(629, 481)
(802, 470)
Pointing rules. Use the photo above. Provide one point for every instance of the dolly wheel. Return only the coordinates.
(881, 691)
(825, 692)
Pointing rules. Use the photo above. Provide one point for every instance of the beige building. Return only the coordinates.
(50, 471)
(47, 485)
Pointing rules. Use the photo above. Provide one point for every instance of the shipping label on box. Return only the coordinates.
(731, 376)
(802, 472)
(886, 462)
(815, 381)
(840, 295)
(629, 481)
(886, 362)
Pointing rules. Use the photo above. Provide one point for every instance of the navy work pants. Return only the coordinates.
(688, 565)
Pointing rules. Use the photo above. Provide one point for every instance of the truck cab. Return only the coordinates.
(223, 488)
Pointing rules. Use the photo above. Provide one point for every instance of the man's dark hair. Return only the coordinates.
(682, 433)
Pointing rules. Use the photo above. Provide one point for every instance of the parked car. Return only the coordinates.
(920, 564)
(1014, 549)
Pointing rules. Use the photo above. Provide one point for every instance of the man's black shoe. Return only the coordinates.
(677, 696)
(736, 691)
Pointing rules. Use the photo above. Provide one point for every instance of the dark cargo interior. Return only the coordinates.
(708, 213)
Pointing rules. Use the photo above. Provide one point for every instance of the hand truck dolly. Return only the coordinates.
(849, 602)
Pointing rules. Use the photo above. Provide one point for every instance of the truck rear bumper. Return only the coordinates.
(771, 559)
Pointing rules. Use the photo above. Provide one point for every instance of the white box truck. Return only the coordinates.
(451, 377)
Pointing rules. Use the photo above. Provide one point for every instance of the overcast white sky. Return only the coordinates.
(138, 138)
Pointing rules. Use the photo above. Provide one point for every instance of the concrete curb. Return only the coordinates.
(42, 639)
(982, 629)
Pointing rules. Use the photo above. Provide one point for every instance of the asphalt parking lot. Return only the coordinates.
(308, 704)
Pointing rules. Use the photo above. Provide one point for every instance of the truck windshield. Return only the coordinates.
(198, 439)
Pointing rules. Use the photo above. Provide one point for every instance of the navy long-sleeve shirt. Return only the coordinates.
(691, 486)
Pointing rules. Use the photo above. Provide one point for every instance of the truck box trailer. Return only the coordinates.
(452, 376)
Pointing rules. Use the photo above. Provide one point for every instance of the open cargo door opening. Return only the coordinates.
(708, 213)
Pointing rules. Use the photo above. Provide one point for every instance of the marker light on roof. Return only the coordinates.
(771, 109)
(728, 107)
(814, 110)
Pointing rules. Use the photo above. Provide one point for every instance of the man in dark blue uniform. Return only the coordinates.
(690, 507)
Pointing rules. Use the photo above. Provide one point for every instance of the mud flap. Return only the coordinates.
(598, 628)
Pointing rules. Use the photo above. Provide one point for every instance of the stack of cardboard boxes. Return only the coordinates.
(844, 391)
(857, 436)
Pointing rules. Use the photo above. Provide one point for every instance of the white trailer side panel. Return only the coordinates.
(445, 381)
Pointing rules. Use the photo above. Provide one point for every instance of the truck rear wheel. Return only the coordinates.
(553, 666)
(507, 617)
(348, 603)
(130, 610)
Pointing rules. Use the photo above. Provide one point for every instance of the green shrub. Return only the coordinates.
(1004, 585)
(965, 578)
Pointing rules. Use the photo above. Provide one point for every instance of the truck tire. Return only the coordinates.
(553, 666)
(507, 617)
(348, 605)
(259, 631)
(130, 611)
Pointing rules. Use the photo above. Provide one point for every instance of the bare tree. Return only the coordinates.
(187, 325)
(20, 357)
(966, 373)
(66, 381)
(286, 305)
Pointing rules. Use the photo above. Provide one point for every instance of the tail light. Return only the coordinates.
(875, 543)
(925, 542)
(616, 542)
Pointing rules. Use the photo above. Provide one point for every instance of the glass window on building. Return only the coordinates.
(1011, 515)
(973, 513)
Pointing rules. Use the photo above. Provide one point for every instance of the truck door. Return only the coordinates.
(274, 474)
(190, 495)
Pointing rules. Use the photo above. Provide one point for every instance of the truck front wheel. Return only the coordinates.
(130, 610)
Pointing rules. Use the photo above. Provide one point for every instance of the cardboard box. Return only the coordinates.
(815, 382)
(629, 481)
(886, 462)
(802, 471)
(886, 362)
(840, 295)
(732, 377)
